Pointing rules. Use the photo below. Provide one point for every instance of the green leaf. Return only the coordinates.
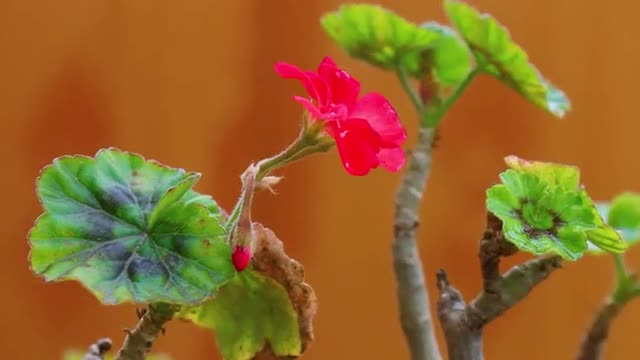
(500, 200)
(623, 215)
(129, 230)
(607, 239)
(524, 186)
(566, 242)
(248, 313)
(379, 36)
(624, 212)
(499, 56)
(384, 39)
(566, 176)
(544, 210)
(450, 57)
(604, 236)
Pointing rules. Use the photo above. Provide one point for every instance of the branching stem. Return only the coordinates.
(463, 323)
(412, 294)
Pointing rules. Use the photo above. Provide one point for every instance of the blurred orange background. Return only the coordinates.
(191, 85)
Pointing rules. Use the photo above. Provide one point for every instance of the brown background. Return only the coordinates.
(191, 84)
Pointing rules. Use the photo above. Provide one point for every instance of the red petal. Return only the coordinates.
(313, 83)
(358, 145)
(343, 89)
(327, 61)
(330, 113)
(382, 117)
(392, 159)
(313, 110)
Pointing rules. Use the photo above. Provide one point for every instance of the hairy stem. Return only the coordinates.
(138, 341)
(593, 343)
(410, 90)
(435, 114)
(413, 298)
(309, 141)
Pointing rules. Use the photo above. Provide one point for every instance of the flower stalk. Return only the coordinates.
(241, 237)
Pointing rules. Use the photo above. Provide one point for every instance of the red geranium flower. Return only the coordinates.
(367, 131)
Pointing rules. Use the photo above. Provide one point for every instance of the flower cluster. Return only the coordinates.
(367, 130)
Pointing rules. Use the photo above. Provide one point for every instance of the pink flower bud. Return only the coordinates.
(241, 257)
(242, 234)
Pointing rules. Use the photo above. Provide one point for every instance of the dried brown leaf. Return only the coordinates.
(271, 260)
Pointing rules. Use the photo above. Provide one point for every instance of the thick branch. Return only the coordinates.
(462, 323)
(514, 286)
(493, 246)
(138, 341)
(413, 297)
(96, 351)
(593, 343)
(464, 338)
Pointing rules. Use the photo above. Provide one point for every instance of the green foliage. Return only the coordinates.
(623, 214)
(497, 55)
(544, 210)
(129, 230)
(442, 55)
(449, 58)
(567, 177)
(250, 312)
(382, 38)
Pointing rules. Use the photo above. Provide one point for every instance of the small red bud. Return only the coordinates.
(241, 257)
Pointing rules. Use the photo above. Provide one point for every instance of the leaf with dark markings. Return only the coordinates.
(266, 311)
(128, 229)
(544, 210)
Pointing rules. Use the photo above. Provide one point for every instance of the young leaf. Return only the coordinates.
(565, 176)
(382, 38)
(379, 36)
(448, 58)
(129, 230)
(266, 310)
(499, 56)
(623, 214)
(544, 210)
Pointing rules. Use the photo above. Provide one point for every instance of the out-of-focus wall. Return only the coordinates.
(191, 84)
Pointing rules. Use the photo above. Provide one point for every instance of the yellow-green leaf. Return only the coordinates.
(499, 56)
(248, 313)
(387, 40)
